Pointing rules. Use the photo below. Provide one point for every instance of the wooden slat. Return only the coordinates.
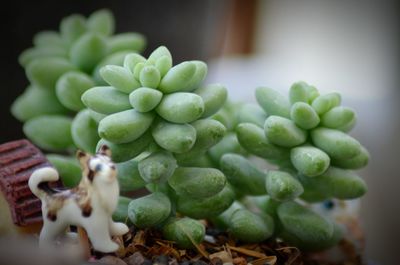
(18, 159)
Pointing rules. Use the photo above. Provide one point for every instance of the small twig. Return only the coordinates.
(84, 241)
(270, 260)
(248, 252)
(228, 250)
(292, 258)
(198, 248)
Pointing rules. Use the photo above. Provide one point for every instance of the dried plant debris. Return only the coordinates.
(142, 247)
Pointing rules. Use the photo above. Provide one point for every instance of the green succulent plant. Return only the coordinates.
(60, 68)
(179, 139)
(149, 99)
(160, 113)
(305, 139)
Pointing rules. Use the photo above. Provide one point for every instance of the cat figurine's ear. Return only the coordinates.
(83, 158)
(105, 150)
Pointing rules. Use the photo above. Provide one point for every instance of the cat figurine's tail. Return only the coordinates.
(39, 180)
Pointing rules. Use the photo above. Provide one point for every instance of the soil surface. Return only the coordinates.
(145, 247)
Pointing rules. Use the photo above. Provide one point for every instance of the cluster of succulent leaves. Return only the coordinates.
(305, 139)
(155, 118)
(151, 102)
(181, 141)
(61, 67)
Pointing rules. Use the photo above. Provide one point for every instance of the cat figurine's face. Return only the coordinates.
(98, 170)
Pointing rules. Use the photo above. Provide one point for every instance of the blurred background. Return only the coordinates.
(350, 46)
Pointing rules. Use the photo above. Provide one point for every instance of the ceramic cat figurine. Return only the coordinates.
(89, 205)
